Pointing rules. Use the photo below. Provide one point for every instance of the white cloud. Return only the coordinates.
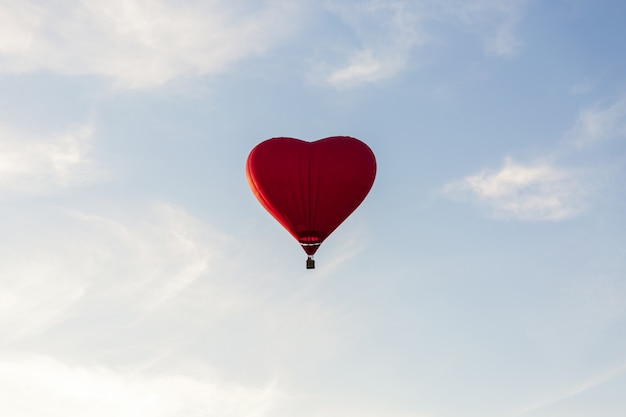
(539, 191)
(598, 124)
(365, 67)
(543, 190)
(41, 164)
(35, 385)
(137, 43)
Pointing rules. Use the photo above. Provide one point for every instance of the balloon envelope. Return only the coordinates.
(311, 187)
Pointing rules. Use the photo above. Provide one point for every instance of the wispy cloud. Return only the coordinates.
(388, 32)
(495, 21)
(39, 164)
(597, 124)
(583, 86)
(52, 264)
(537, 191)
(36, 385)
(158, 254)
(137, 43)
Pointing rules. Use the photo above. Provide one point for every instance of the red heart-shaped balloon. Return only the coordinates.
(311, 187)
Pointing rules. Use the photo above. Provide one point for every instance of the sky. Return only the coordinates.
(483, 276)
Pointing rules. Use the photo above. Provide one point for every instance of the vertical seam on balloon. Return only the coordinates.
(303, 197)
(317, 192)
(307, 195)
(294, 202)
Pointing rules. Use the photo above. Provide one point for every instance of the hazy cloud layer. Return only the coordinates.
(32, 164)
(41, 386)
(123, 274)
(137, 43)
(124, 308)
(538, 191)
(144, 44)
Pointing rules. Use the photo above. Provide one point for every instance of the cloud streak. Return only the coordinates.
(592, 382)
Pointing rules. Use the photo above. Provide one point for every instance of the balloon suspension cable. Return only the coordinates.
(310, 262)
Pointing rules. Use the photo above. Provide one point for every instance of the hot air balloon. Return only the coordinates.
(310, 188)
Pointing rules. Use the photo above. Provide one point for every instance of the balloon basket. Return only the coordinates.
(310, 263)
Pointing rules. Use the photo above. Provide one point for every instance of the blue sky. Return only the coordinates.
(484, 275)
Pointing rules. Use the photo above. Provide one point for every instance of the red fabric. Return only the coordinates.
(311, 187)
